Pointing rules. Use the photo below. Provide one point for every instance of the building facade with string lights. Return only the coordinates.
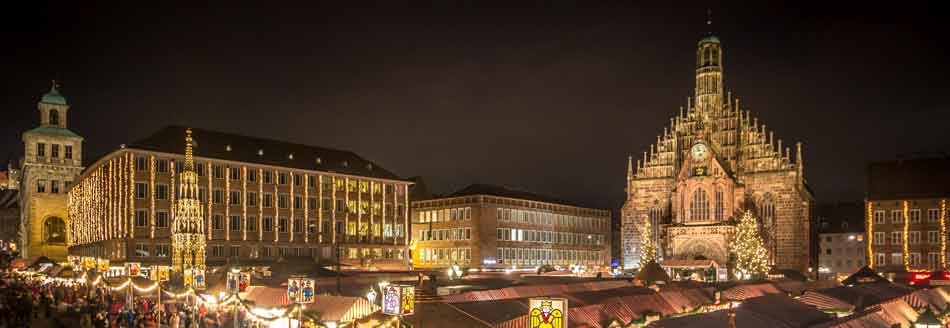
(711, 164)
(906, 214)
(260, 200)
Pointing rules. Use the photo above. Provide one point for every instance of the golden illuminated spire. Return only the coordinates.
(189, 157)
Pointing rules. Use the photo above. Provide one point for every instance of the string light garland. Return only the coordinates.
(906, 257)
(870, 234)
(943, 233)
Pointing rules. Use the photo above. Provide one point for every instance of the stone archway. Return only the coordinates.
(709, 248)
(54, 231)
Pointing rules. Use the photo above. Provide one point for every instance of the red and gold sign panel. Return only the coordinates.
(88, 262)
(103, 265)
(238, 281)
(546, 312)
(300, 290)
(399, 300)
(195, 278)
(160, 273)
(133, 269)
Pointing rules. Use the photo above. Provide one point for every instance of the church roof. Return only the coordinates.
(652, 273)
(709, 39)
(53, 97)
(240, 148)
(918, 178)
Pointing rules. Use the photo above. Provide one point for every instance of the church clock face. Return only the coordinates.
(699, 152)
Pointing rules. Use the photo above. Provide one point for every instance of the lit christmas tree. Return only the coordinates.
(751, 255)
(647, 245)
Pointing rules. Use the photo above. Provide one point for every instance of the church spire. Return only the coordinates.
(189, 156)
(709, 88)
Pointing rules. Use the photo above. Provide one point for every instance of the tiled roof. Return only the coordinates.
(744, 292)
(214, 144)
(501, 191)
(919, 178)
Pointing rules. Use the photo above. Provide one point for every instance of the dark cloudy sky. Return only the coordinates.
(550, 98)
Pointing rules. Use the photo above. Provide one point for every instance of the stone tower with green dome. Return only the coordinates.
(52, 159)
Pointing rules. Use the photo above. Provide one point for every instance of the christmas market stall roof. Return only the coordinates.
(239, 148)
(865, 295)
(765, 311)
(331, 308)
(652, 273)
(865, 275)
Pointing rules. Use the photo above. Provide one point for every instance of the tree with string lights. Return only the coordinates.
(750, 253)
(647, 244)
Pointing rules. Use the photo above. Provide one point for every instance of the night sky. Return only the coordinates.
(548, 98)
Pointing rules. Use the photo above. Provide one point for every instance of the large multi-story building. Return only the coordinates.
(906, 214)
(713, 163)
(842, 245)
(484, 226)
(52, 160)
(261, 200)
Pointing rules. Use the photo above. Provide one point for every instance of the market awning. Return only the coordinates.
(332, 308)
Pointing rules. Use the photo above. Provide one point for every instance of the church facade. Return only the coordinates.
(711, 164)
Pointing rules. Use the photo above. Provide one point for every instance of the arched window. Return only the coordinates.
(715, 56)
(699, 210)
(720, 209)
(767, 212)
(706, 56)
(53, 117)
(54, 230)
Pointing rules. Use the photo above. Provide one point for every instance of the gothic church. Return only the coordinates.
(714, 162)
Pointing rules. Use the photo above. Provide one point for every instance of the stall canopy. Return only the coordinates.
(331, 308)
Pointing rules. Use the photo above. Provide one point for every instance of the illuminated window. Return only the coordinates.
(699, 211)
(251, 223)
(40, 149)
(933, 215)
(68, 154)
(767, 212)
(915, 215)
(54, 151)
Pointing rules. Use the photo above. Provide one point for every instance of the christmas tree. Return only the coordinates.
(751, 255)
(647, 245)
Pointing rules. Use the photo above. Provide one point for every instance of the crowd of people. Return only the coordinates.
(46, 303)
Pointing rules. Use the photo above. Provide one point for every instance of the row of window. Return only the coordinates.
(282, 225)
(547, 218)
(269, 177)
(897, 216)
(234, 198)
(54, 150)
(913, 259)
(553, 237)
(50, 186)
(537, 256)
(164, 250)
(843, 265)
(445, 215)
(913, 237)
(446, 234)
(445, 255)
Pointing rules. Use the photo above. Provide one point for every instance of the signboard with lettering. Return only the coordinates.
(160, 273)
(195, 278)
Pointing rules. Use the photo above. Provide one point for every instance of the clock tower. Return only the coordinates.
(52, 159)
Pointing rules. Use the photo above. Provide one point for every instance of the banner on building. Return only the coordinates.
(300, 290)
(399, 300)
(546, 312)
